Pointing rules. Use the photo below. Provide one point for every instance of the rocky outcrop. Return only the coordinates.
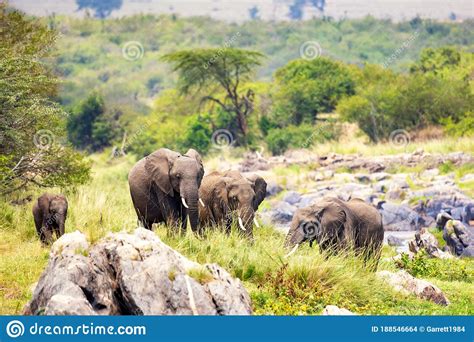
(425, 241)
(403, 282)
(459, 238)
(132, 274)
(333, 310)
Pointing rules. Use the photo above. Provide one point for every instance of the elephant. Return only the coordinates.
(164, 188)
(228, 193)
(50, 213)
(336, 225)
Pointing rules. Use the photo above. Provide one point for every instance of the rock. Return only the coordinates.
(379, 176)
(333, 310)
(395, 194)
(431, 173)
(362, 178)
(132, 274)
(394, 241)
(273, 188)
(459, 238)
(399, 217)
(282, 212)
(292, 197)
(403, 282)
(253, 161)
(426, 241)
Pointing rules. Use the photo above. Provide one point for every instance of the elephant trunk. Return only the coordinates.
(295, 237)
(246, 216)
(190, 200)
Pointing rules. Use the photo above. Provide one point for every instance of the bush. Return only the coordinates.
(306, 88)
(421, 265)
(304, 136)
(460, 128)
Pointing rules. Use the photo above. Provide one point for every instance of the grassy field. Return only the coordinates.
(302, 284)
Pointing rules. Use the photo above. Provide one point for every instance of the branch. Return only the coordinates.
(220, 103)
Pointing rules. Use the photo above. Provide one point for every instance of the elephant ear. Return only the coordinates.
(43, 203)
(333, 217)
(260, 187)
(221, 193)
(158, 166)
(192, 153)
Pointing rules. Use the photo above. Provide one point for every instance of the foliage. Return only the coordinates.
(306, 88)
(385, 102)
(303, 136)
(91, 126)
(90, 52)
(464, 126)
(422, 266)
(226, 68)
(102, 8)
(31, 124)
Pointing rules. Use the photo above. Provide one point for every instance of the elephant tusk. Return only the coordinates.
(293, 250)
(202, 203)
(256, 222)
(241, 224)
(184, 203)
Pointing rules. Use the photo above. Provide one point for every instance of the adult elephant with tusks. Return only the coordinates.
(164, 188)
(337, 225)
(228, 195)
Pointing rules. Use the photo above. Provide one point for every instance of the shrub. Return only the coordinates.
(304, 136)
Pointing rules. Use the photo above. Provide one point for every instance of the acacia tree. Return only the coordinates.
(202, 69)
(31, 123)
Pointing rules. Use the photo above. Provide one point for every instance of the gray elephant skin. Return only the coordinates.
(230, 195)
(337, 225)
(164, 188)
(50, 213)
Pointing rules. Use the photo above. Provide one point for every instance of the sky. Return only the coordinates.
(268, 9)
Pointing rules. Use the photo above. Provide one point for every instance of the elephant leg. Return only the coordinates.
(183, 221)
(46, 235)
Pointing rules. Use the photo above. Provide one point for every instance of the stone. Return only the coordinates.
(426, 241)
(282, 212)
(333, 310)
(273, 188)
(379, 176)
(394, 241)
(399, 217)
(362, 178)
(292, 197)
(395, 194)
(403, 282)
(132, 274)
(459, 238)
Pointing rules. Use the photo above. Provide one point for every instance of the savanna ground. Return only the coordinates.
(302, 284)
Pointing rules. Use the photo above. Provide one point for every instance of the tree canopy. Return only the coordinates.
(212, 72)
(31, 123)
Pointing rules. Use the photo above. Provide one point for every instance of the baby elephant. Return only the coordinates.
(50, 212)
(337, 224)
(229, 194)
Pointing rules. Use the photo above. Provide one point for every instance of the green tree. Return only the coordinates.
(91, 126)
(305, 88)
(102, 8)
(31, 123)
(204, 70)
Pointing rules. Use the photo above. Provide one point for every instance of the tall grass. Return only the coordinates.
(302, 284)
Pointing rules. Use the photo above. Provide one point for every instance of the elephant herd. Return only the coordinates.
(168, 187)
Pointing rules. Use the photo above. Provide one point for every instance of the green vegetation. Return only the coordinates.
(124, 60)
(31, 124)
(90, 126)
(302, 284)
(422, 266)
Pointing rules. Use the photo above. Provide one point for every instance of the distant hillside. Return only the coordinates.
(269, 9)
(92, 53)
